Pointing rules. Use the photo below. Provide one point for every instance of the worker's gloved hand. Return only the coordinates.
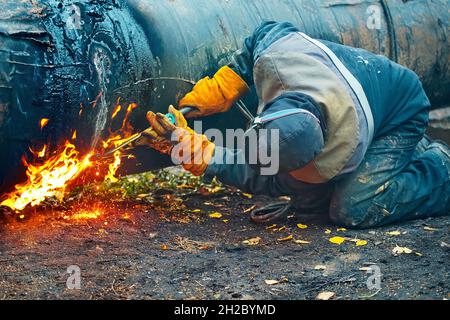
(219, 94)
(190, 149)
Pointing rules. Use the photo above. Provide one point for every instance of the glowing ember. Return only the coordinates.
(48, 180)
(85, 215)
(43, 123)
(74, 135)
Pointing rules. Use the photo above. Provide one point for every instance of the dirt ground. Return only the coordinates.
(178, 243)
(146, 251)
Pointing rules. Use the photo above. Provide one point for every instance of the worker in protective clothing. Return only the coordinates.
(351, 130)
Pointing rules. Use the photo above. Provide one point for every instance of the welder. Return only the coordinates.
(351, 128)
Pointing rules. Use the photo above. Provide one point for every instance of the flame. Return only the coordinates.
(43, 122)
(113, 167)
(52, 177)
(116, 111)
(130, 108)
(49, 179)
(39, 154)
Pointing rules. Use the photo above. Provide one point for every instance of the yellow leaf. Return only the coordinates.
(271, 227)
(288, 238)
(326, 295)
(164, 247)
(361, 243)
(302, 226)
(337, 240)
(196, 210)
(247, 195)
(327, 231)
(226, 220)
(271, 282)
(215, 215)
(302, 242)
(282, 229)
(401, 250)
(394, 233)
(342, 229)
(252, 241)
(430, 229)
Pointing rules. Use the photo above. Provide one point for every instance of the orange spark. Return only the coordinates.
(74, 135)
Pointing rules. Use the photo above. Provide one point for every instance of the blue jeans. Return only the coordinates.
(403, 176)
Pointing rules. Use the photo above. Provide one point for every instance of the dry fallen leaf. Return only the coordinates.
(430, 229)
(271, 227)
(302, 226)
(327, 231)
(326, 295)
(271, 282)
(401, 250)
(342, 229)
(302, 242)
(215, 215)
(196, 210)
(365, 269)
(248, 195)
(252, 241)
(394, 233)
(337, 240)
(288, 238)
(320, 267)
(250, 209)
(164, 247)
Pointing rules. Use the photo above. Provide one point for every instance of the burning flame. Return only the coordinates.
(113, 167)
(43, 122)
(52, 178)
(49, 179)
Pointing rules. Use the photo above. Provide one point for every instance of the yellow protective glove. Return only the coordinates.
(216, 95)
(192, 150)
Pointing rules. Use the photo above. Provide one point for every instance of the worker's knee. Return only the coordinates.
(351, 213)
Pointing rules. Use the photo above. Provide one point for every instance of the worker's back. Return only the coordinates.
(394, 92)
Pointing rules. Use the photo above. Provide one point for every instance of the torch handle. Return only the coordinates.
(184, 111)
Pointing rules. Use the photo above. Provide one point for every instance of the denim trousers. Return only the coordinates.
(403, 176)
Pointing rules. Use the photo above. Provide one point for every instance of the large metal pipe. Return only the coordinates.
(58, 56)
